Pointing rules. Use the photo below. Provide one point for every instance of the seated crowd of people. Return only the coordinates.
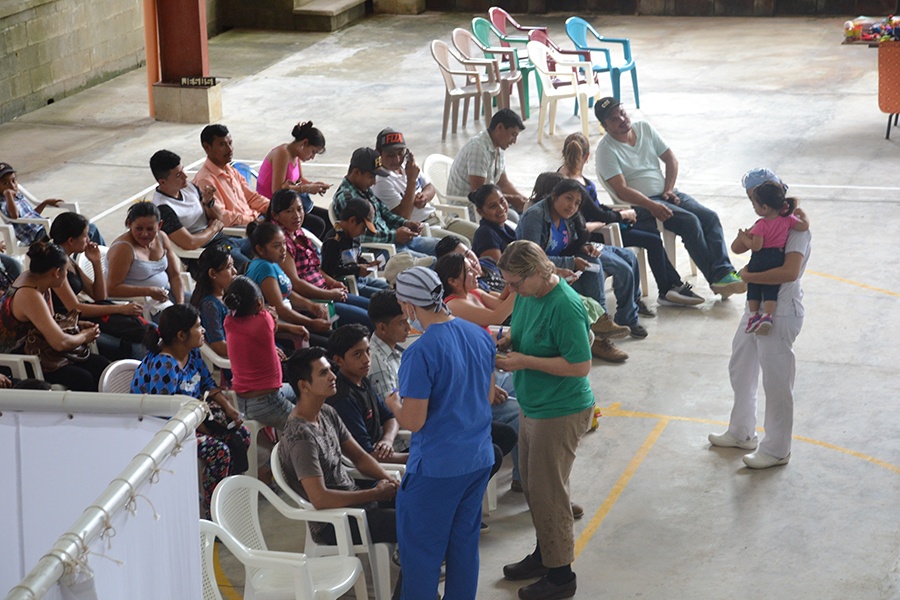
(323, 366)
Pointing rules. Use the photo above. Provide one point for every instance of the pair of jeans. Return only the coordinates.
(369, 286)
(700, 231)
(622, 264)
(271, 410)
(508, 413)
(355, 309)
(419, 246)
(590, 283)
(664, 272)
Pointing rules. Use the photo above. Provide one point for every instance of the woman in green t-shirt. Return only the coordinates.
(549, 354)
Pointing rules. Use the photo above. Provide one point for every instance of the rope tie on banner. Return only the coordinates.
(109, 532)
(131, 505)
(154, 473)
(63, 403)
(141, 408)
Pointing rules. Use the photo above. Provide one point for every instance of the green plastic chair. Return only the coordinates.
(483, 30)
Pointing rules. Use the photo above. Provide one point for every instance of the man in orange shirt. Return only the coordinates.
(242, 204)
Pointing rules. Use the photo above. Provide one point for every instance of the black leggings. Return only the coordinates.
(81, 376)
(381, 518)
(504, 439)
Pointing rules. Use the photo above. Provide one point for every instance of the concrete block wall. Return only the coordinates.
(50, 49)
(704, 8)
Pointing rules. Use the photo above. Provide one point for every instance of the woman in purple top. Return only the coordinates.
(281, 169)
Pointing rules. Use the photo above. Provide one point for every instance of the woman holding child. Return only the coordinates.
(773, 354)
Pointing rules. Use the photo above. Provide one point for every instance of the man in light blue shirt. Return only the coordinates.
(628, 160)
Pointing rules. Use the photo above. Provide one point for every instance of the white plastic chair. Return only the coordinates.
(280, 575)
(463, 81)
(116, 377)
(379, 554)
(437, 169)
(567, 79)
(668, 237)
(23, 366)
(470, 48)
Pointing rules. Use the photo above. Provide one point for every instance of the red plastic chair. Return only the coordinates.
(500, 18)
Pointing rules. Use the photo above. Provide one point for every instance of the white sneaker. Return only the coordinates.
(726, 440)
(761, 460)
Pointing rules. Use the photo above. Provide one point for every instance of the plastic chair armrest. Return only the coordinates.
(391, 249)
(460, 212)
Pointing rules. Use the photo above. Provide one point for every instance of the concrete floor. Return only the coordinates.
(666, 515)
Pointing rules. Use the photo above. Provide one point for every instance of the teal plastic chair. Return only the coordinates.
(578, 29)
(483, 30)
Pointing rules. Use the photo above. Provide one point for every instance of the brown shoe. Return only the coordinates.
(605, 350)
(605, 328)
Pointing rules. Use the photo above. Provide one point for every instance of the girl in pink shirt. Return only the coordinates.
(766, 240)
(256, 376)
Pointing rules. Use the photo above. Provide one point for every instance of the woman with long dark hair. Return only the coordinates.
(281, 170)
(173, 366)
(26, 305)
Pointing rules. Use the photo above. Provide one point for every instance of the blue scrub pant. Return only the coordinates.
(438, 518)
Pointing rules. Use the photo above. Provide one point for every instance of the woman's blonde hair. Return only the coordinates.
(575, 148)
(525, 258)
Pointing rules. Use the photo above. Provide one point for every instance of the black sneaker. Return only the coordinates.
(644, 310)
(681, 296)
(638, 331)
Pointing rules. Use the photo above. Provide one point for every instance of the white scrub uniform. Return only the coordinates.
(774, 355)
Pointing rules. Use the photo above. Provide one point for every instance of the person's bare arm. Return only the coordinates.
(301, 286)
(802, 223)
(272, 294)
(493, 254)
(555, 365)
(410, 413)
(11, 209)
(173, 270)
(323, 497)
(363, 461)
(280, 159)
(383, 450)
(481, 315)
(192, 241)
(515, 198)
(30, 306)
(789, 271)
(671, 173)
(631, 196)
(67, 296)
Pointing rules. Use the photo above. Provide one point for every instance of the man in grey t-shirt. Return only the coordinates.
(312, 443)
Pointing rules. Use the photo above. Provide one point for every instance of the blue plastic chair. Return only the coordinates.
(246, 172)
(577, 29)
(482, 29)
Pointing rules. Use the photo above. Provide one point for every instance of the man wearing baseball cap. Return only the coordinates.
(628, 158)
(405, 190)
(16, 206)
(391, 228)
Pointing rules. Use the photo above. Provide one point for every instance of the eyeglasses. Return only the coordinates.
(516, 284)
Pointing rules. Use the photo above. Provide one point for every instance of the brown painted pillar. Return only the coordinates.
(183, 50)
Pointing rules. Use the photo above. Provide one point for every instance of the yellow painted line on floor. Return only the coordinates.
(222, 580)
(619, 487)
(614, 410)
(856, 283)
(866, 457)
